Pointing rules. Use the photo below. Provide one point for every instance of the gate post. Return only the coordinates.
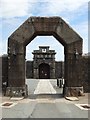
(16, 70)
(73, 74)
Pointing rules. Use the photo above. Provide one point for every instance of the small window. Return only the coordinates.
(41, 56)
(45, 56)
(38, 56)
(49, 56)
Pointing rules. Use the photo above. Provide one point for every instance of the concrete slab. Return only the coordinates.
(45, 110)
(32, 84)
(45, 101)
(21, 110)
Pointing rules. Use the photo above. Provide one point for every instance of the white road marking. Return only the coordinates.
(44, 87)
(81, 106)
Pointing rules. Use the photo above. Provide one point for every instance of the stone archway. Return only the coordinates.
(32, 27)
(44, 71)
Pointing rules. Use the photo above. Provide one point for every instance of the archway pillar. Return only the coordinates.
(16, 71)
(73, 77)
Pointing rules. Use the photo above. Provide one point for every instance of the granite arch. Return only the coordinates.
(33, 27)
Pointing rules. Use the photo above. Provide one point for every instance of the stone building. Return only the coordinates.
(59, 68)
(44, 65)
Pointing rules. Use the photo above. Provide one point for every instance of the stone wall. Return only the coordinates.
(85, 66)
(0, 75)
(86, 73)
(4, 69)
(59, 69)
(3, 73)
(29, 69)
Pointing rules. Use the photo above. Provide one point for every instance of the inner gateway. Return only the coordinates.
(44, 71)
(45, 61)
(44, 65)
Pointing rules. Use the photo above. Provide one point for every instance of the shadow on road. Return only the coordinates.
(52, 96)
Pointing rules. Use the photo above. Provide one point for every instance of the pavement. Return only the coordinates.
(45, 100)
(44, 87)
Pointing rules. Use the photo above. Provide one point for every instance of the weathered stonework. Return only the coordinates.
(33, 27)
(85, 68)
(4, 76)
(85, 73)
(44, 59)
(17, 91)
(44, 63)
(29, 69)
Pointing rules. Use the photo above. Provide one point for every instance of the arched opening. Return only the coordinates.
(32, 27)
(44, 71)
(54, 56)
(45, 40)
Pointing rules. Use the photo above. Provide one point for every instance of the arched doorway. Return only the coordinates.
(44, 71)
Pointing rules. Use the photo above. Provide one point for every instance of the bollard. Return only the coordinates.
(60, 83)
(57, 82)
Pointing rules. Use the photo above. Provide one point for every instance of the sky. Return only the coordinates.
(14, 12)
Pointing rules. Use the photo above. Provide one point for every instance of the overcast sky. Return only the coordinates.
(14, 12)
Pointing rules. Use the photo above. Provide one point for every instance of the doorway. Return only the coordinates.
(44, 71)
